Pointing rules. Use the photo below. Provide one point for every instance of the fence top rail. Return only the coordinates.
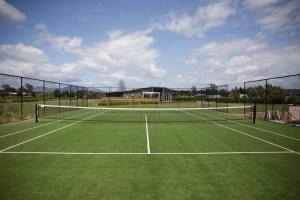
(277, 77)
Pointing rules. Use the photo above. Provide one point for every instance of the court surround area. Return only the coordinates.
(87, 153)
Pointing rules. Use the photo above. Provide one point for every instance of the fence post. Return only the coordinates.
(87, 97)
(178, 98)
(254, 113)
(244, 97)
(21, 89)
(109, 97)
(133, 99)
(44, 96)
(266, 99)
(59, 94)
(70, 98)
(77, 96)
(227, 96)
(36, 113)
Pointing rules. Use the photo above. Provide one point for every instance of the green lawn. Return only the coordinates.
(223, 159)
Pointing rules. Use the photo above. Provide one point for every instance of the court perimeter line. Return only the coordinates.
(147, 132)
(255, 127)
(47, 133)
(165, 153)
(235, 130)
(40, 126)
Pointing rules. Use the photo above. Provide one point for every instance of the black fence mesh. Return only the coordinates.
(277, 99)
(18, 96)
(10, 101)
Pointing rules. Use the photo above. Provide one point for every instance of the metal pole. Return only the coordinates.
(44, 96)
(266, 103)
(109, 97)
(59, 94)
(77, 96)
(21, 98)
(208, 97)
(244, 98)
(227, 94)
(36, 113)
(87, 97)
(201, 98)
(178, 98)
(254, 114)
(132, 98)
(70, 97)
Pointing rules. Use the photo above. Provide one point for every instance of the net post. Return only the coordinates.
(254, 114)
(36, 113)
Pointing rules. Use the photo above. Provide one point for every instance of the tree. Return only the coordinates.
(56, 93)
(28, 88)
(122, 85)
(194, 90)
(235, 95)
(7, 89)
(275, 94)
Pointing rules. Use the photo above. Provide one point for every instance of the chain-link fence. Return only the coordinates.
(277, 99)
(18, 96)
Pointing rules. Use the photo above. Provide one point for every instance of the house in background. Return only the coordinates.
(161, 93)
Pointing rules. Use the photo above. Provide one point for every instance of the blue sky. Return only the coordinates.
(147, 43)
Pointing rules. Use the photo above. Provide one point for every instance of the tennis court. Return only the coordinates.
(87, 153)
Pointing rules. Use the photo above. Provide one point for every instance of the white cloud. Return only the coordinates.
(30, 61)
(278, 17)
(9, 12)
(60, 43)
(224, 49)
(22, 52)
(257, 4)
(131, 52)
(227, 62)
(205, 18)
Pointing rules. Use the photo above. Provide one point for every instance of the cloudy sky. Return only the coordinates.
(147, 43)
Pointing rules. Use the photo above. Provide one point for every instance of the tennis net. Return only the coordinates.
(142, 114)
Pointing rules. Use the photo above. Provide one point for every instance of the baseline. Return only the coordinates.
(157, 153)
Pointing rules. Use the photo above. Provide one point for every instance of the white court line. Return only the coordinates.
(48, 133)
(235, 130)
(255, 127)
(147, 132)
(40, 126)
(132, 153)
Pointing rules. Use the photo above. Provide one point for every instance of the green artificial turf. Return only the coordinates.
(149, 176)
